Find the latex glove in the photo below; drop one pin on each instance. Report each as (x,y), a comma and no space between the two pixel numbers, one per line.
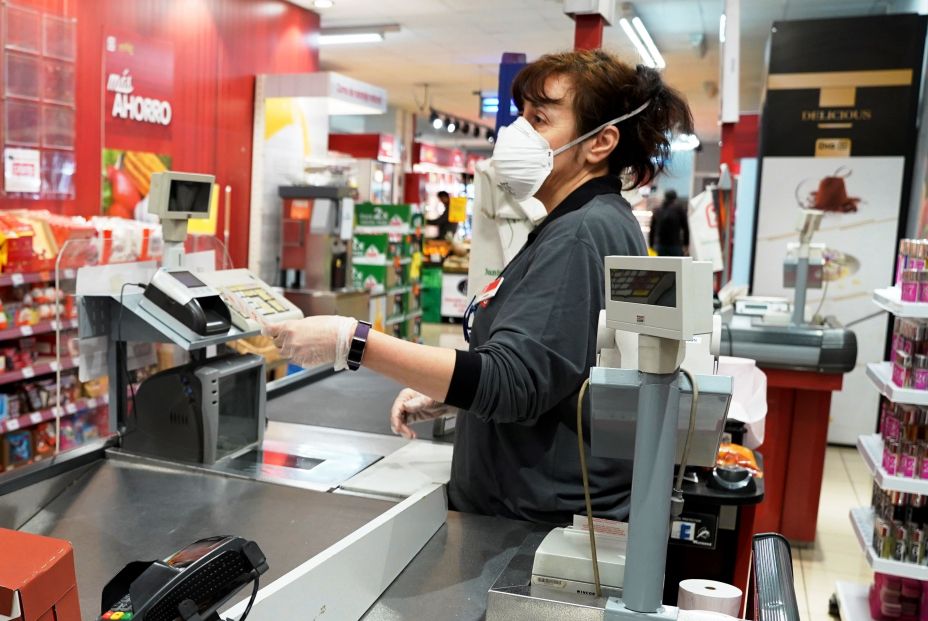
(314,341)
(413,407)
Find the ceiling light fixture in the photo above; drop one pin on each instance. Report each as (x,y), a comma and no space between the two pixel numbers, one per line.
(452,126)
(476,131)
(638,43)
(437,123)
(323,4)
(648,42)
(685,142)
(359,34)
(350,38)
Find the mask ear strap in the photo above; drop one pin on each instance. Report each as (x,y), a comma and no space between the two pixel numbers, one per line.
(614,121)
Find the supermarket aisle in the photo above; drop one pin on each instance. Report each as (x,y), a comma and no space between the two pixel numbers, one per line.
(836,554)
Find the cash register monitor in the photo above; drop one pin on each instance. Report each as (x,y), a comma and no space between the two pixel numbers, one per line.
(176,197)
(647,295)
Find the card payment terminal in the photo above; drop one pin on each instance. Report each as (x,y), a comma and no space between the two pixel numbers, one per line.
(177,295)
(191,584)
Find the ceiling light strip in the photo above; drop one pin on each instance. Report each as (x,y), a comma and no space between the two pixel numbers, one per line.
(648,42)
(633,36)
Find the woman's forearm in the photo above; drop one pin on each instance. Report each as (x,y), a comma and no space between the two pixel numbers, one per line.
(422,368)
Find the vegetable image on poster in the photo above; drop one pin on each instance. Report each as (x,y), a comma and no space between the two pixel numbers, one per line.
(127,181)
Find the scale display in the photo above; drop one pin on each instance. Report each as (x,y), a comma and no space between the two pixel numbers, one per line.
(650,287)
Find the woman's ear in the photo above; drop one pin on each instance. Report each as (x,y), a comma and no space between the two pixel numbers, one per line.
(602,146)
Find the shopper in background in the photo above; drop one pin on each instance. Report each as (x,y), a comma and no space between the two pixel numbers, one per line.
(587,120)
(670,230)
(444,224)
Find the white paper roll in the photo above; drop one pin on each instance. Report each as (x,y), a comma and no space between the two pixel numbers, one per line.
(704,615)
(709,595)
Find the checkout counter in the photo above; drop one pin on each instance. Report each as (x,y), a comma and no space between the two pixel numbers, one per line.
(352,520)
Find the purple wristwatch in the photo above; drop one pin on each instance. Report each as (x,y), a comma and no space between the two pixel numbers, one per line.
(358,342)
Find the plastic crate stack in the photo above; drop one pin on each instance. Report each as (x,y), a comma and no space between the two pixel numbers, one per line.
(387,262)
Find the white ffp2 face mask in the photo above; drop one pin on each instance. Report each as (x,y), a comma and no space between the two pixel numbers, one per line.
(523,159)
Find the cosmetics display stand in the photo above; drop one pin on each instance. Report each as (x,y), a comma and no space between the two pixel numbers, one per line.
(853,598)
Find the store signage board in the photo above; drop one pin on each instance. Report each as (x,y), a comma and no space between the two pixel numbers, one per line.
(22,171)
(343,95)
(837,135)
(138,82)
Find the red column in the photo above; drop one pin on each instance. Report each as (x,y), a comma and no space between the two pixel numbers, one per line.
(588,32)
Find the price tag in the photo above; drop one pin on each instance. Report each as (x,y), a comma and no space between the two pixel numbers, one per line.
(91,403)
(28,372)
(53,365)
(17,279)
(12,425)
(36,418)
(70,408)
(26,330)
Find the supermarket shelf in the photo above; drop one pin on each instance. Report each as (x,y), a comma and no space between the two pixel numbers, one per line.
(889,300)
(40,328)
(27,420)
(17,278)
(862,522)
(43,368)
(853,601)
(880,373)
(871,449)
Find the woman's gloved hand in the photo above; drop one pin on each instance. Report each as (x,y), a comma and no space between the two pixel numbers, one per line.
(413,407)
(314,341)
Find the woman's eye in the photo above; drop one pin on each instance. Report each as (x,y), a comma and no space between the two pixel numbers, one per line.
(538,119)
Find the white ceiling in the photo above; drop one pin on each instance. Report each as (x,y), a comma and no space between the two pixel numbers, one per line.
(455,45)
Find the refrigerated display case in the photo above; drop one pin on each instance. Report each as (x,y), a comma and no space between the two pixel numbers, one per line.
(376,172)
(435,169)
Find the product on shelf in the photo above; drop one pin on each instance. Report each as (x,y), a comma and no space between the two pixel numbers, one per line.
(897,599)
(909,353)
(43,440)
(912,258)
(899,526)
(16,449)
(71,434)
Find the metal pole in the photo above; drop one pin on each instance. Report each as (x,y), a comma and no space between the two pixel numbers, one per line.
(652,486)
(802,283)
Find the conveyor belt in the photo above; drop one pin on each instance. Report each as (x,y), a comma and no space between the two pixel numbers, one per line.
(358,401)
(121,512)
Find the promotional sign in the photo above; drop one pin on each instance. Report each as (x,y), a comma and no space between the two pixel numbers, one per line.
(836,135)
(21,171)
(457,209)
(138,80)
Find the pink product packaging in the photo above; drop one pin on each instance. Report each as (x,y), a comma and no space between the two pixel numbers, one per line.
(907,466)
(910,285)
(920,375)
(902,370)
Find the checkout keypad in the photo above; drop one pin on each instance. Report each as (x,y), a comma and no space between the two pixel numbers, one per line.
(259,300)
(121,611)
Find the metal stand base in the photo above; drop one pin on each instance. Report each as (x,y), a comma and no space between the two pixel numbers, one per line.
(617,611)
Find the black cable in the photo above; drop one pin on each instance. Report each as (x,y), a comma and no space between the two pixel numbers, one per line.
(251,602)
(125,369)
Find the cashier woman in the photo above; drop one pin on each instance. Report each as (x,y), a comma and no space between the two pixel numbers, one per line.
(533,337)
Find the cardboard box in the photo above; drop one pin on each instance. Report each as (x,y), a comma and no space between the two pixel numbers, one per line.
(368,214)
(379,246)
(41,585)
(379,278)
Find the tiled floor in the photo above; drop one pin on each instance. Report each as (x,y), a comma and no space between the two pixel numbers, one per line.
(836,554)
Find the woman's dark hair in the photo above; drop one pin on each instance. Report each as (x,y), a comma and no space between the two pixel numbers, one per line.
(605,88)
